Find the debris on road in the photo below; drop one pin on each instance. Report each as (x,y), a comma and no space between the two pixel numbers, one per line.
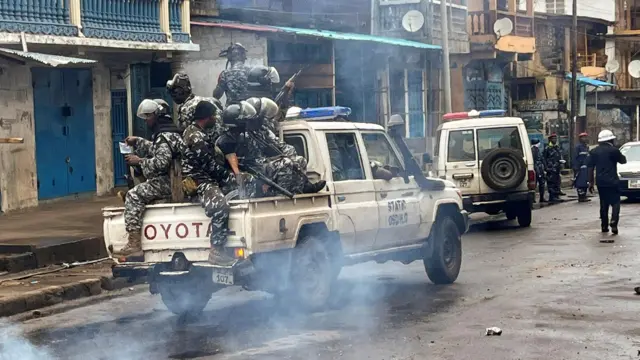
(637,290)
(607,241)
(493,331)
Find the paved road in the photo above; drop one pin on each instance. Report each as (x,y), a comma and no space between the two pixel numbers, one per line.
(554,289)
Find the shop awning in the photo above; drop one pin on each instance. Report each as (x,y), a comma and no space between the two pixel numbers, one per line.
(317,33)
(46,59)
(585,81)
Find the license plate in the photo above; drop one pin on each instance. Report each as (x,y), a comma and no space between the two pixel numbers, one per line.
(223,276)
(634,184)
(463,183)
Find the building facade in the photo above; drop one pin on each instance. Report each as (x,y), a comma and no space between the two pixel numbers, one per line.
(72,107)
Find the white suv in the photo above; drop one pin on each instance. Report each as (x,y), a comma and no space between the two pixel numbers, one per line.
(489,158)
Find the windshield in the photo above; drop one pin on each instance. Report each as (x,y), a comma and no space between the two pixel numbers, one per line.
(631,152)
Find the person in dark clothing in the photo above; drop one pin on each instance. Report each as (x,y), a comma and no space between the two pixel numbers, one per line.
(580,176)
(552,156)
(538,163)
(604,159)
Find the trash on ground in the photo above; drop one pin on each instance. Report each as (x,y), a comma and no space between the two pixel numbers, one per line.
(637,290)
(607,241)
(493,331)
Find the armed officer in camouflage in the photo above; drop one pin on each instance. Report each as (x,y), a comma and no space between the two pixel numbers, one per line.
(239,81)
(212,180)
(180,90)
(552,158)
(155,158)
(539,166)
(249,145)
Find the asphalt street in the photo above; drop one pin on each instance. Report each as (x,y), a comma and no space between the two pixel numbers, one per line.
(554,289)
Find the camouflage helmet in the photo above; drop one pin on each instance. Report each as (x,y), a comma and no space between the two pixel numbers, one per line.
(179,87)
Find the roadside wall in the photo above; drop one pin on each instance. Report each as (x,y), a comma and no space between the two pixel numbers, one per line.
(18,183)
(205,66)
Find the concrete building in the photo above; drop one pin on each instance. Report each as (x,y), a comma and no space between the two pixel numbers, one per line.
(72,107)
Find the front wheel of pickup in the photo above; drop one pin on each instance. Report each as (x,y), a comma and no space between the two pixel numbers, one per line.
(443,264)
(312,274)
(186,297)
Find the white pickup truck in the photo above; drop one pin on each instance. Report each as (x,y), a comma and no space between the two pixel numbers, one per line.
(298,246)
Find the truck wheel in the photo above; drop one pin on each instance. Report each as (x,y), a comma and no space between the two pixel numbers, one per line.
(524,216)
(443,264)
(503,169)
(312,274)
(185,298)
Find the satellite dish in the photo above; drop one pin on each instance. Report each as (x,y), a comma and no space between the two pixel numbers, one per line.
(612,66)
(413,21)
(634,69)
(503,27)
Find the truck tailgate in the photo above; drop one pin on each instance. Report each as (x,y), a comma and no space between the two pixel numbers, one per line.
(262,224)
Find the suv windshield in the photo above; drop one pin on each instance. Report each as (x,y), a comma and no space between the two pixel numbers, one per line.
(631,152)
(498,138)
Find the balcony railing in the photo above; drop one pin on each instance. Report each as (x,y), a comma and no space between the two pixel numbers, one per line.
(481,23)
(48,17)
(132,20)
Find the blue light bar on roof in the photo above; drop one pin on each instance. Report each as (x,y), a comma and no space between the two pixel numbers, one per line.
(330,112)
(488,113)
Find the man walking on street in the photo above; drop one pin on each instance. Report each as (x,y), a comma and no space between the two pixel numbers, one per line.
(580,176)
(552,158)
(538,163)
(604,159)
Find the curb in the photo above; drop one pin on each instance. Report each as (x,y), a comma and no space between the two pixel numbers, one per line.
(53,295)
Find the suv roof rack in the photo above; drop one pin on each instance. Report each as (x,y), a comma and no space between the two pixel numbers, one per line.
(318,114)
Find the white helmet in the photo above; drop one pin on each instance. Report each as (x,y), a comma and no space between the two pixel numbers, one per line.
(605,135)
(147,108)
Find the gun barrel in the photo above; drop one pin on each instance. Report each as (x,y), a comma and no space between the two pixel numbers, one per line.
(270,182)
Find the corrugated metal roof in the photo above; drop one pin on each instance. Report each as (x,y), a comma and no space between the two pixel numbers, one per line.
(318,33)
(51,60)
(583,80)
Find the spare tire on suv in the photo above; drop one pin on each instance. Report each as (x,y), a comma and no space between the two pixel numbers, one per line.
(503,169)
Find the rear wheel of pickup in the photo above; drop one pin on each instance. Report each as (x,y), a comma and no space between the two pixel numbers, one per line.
(185,296)
(443,264)
(312,274)
(525,215)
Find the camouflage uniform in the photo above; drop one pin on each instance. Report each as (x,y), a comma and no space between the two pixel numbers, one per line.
(552,156)
(213,180)
(233,83)
(157,156)
(185,116)
(539,167)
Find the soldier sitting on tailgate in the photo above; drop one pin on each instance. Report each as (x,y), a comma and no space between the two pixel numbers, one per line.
(250,146)
(209,179)
(155,158)
(180,90)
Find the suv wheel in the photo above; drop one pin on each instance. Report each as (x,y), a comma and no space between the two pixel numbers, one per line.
(443,264)
(524,215)
(503,169)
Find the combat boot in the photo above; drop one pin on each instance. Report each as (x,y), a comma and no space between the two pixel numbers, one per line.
(310,188)
(217,256)
(133,247)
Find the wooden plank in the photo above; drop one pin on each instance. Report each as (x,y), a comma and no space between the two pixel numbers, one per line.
(517,44)
(11,140)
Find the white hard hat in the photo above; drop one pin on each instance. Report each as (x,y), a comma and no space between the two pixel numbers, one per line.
(147,108)
(605,135)
(293,112)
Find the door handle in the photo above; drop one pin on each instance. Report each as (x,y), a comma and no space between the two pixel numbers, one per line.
(342,198)
(383,195)
(407,194)
(470,164)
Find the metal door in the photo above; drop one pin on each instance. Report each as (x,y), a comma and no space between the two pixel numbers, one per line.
(416,106)
(140,88)
(78,112)
(51,133)
(118,133)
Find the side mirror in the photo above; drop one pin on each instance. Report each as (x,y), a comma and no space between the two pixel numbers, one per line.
(426,158)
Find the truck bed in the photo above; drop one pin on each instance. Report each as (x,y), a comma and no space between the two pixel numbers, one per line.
(259,225)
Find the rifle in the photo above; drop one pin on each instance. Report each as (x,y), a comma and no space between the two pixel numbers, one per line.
(255,172)
(283,89)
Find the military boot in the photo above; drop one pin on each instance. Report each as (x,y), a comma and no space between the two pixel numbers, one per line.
(217,256)
(311,188)
(133,247)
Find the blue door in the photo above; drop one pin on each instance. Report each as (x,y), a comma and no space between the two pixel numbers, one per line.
(65,141)
(118,133)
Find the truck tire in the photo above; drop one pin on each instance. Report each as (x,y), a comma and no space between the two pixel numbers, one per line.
(503,169)
(443,264)
(185,298)
(525,215)
(312,274)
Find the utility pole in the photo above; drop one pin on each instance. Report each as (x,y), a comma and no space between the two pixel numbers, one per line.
(574,78)
(446,73)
